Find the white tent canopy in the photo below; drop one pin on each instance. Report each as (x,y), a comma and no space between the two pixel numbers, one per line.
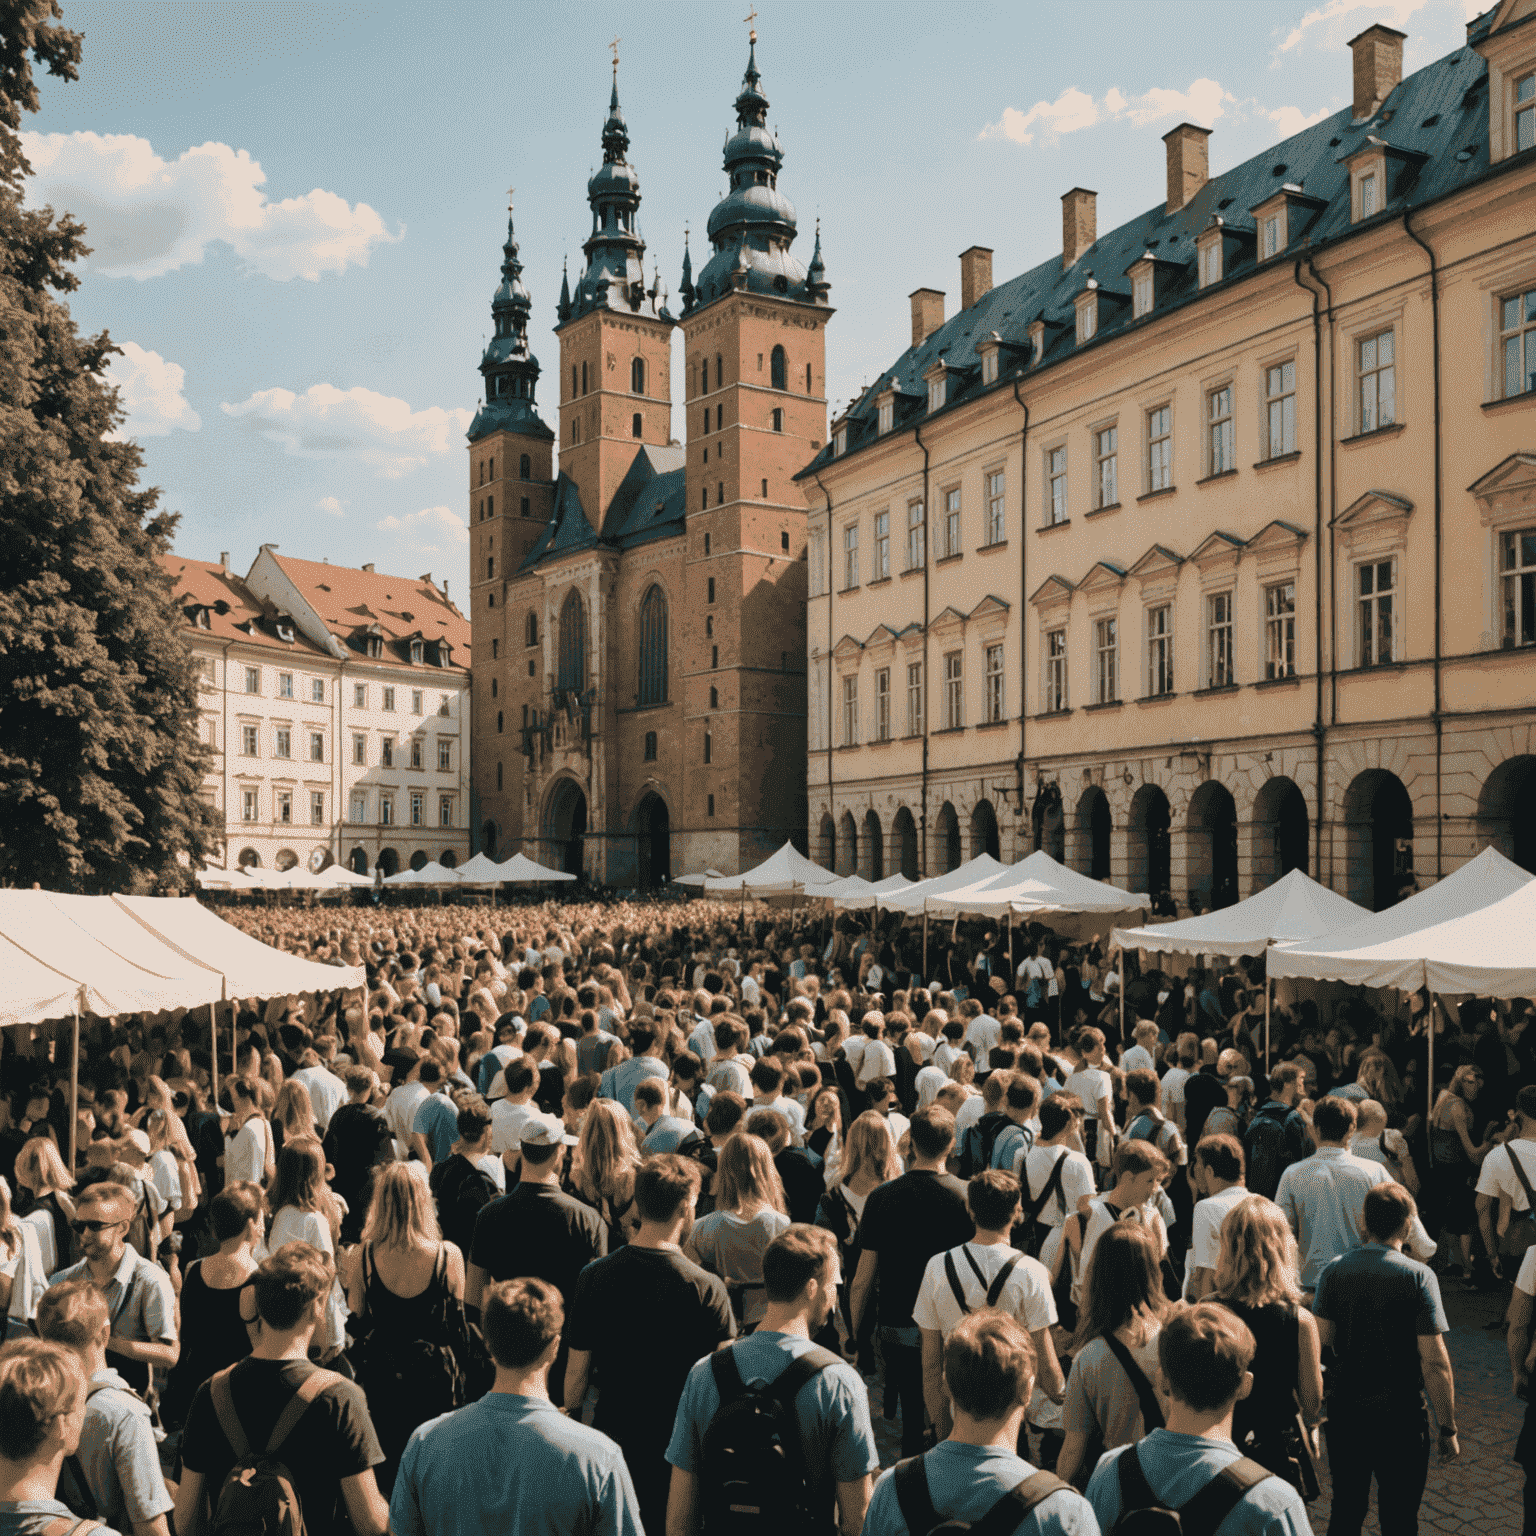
(338,875)
(699,877)
(972,872)
(1037,886)
(31,991)
(781,874)
(1463,928)
(851,893)
(521,870)
(878,895)
(480,870)
(431,873)
(1293,909)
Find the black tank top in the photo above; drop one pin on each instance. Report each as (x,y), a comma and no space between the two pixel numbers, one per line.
(1270,1407)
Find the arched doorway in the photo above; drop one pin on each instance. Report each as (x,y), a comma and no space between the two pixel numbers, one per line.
(249,859)
(566,825)
(1151,848)
(357,861)
(904,844)
(389,861)
(488,839)
(653,842)
(826,842)
(286,859)
(947,833)
(449,859)
(847,845)
(1050,829)
(1281,831)
(1211,828)
(984,838)
(418,860)
(872,848)
(1506,810)
(320,858)
(1378,828)
(1094,824)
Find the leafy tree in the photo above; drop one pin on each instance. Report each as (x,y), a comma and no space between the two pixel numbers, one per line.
(99,761)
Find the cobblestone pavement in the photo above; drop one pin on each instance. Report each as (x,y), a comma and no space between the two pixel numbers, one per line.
(1479,1494)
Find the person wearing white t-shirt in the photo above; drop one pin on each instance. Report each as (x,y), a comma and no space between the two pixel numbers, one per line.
(1174,1079)
(1060,1141)
(1501,1194)
(951,1045)
(982,1032)
(882,1100)
(1522,1354)
(928,1083)
(1140,1057)
(1091,1083)
(1217,1174)
(877,1058)
(1138,1171)
(986,1272)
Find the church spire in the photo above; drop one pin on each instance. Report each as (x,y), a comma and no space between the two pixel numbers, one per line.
(510,370)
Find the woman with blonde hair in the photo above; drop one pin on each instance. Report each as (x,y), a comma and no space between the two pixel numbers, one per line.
(750,1211)
(305,1211)
(824,1130)
(1453,1159)
(43,1186)
(249,1155)
(293,1114)
(607,1159)
(22,1276)
(1257,1279)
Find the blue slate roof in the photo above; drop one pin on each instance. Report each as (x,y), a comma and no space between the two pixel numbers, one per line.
(1435,125)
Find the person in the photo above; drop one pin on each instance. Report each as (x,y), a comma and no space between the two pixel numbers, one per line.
(549,1474)
(1521,1343)
(663,1132)
(607,1161)
(1055,1177)
(619,1082)
(331,1449)
(989,1376)
(1381,1312)
(1138,1171)
(250,1155)
(115,1474)
(42,1414)
(986,1272)
(43,1197)
(1454,1159)
(1204,1353)
(293,1115)
(513,1093)
(213,1334)
(1205,1091)
(641,1317)
(1109,1398)
(1092,1087)
(1144,1119)
(462,1186)
(357,1140)
(1277,1135)
(435,1126)
(1217,1174)
(139,1295)
(1502,1183)
(1256,1280)
(905,1223)
(22,1277)
(829,1399)
(304,1210)
(327,1092)
(750,1211)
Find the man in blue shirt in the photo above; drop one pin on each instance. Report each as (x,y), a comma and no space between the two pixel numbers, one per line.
(619,1082)
(1203,1354)
(1381,1312)
(546,1474)
(435,1127)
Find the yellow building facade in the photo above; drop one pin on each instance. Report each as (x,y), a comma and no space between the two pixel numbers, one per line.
(1207,549)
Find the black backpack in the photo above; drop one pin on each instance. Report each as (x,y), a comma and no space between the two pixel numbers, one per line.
(1031,1233)
(1264,1150)
(1142,1513)
(1003,1519)
(999,1281)
(752,1474)
(976,1156)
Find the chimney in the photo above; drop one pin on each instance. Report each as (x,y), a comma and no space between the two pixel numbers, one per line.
(368,567)
(1189,163)
(927,313)
(224,558)
(1378,55)
(1079,224)
(975,275)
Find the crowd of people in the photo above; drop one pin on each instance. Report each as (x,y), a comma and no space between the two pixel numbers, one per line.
(635,1218)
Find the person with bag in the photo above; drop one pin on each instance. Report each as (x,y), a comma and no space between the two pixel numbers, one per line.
(1055,1178)
(1506,1206)
(305,1211)
(1277,1135)
(274,1444)
(750,1211)
(974,1479)
(42,1411)
(249,1153)
(1188,1477)
(1136,1194)
(1021,1107)
(773,1434)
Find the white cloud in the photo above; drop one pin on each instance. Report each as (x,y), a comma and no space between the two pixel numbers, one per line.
(329,423)
(150,390)
(146,216)
(1291,120)
(329,504)
(1202,103)
(1329,22)
(432,531)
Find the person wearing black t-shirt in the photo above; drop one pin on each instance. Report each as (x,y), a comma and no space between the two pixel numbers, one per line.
(642,1316)
(356,1142)
(905,1223)
(460,1185)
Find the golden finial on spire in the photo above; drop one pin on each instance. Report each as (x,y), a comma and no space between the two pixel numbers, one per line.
(615,46)
(749,18)
(511,192)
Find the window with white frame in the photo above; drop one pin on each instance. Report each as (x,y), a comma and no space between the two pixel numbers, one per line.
(1219,671)
(1376,629)
(850,555)
(1517,342)
(997,508)
(887,415)
(882,562)
(205,672)
(285,685)
(954,690)
(418,808)
(445,810)
(1141,295)
(360,695)
(1525,112)
(416,749)
(285,807)
(1087,319)
(316,747)
(851,711)
(1106,467)
(1222,453)
(248,741)
(444,705)
(1517,579)
(248,805)
(917,535)
(317,807)
(989,367)
(1378,381)
(1160,448)
(1106,645)
(936,393)
(1280,409)
(914,698)
(253,679)
(387,752)
(445,757)
(1056,486)
(416,699)
(1271,238)
(882,704)
(386,811)
(360,807)
(1210,263)
(1370,196)
(317,690)
(1160,650)
(1280,630)
(994,685)
(952,522)
(840,442)
(389,700)
(816,559)
(1055,672)
(360,749)
(284,742)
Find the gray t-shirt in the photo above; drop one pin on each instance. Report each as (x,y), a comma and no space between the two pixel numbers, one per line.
(1100,1396)
(732,1248)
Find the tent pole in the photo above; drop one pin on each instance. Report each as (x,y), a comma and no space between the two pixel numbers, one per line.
(1268,989)
(74,1091)
(213,1047)
(1430,1096)
(926,976)
(1011,971)
(1122,997)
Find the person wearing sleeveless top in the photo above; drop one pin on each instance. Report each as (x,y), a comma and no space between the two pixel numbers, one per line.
(1453,1159)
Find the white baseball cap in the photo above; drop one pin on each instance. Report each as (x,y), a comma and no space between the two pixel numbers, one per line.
(544,1131)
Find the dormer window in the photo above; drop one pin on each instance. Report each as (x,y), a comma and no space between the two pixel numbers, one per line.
(1087,315)
(989,366)
(1141,293)
(416,653)
(284,628)
(200,617)
(1370,194)
(936,393)
(1210,259)
(375,647)
(1037,342)
(1525,113)
(1272,234)
(840,442)
(887,415)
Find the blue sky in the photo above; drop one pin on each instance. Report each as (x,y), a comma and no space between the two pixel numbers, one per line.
(298,208)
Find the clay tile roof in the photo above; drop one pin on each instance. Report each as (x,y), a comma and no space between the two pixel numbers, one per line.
(234,611)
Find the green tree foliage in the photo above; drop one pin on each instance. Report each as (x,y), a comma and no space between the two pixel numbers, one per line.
(99,761)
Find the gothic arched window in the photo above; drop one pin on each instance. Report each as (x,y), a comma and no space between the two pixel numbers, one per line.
(719,371)
(531,629)
(779,369)
(573,642)
(637,376)
(524,468)
(653,647)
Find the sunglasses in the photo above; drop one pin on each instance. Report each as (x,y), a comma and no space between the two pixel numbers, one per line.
(80,1225)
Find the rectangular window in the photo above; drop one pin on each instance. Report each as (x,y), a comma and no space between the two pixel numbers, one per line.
(914,698)
(1106,644)
(248,809)
(997,507)
(1280,630)
(850,556)
(1525,113)
(284,742)
(1159,650)
(886,416)
(389,700)
(1106,463)
(1269,236)
(1376,585)
(816,561)
(416,692)
(1517,340)
(316,747)
(650,746)
(317,808)
(285,685)
(1087,320)
(1210,263)
(954,690)
(415,752)
(1218,640)
(445,757)
(1056,486)
(418,812)
(285,807)
(1160,448)
(989,367)
(443,705)
(253,679)
(386,811)
(1280,410)
(1055,671)
(387,752)
(360,695)
(850,711)
(952,522)
(994,685)
(248,740)
(359,749)
(359,808)
(917,536)
(317,690)
(1141,295)
(936,394)
(710,589)
(205,673)
(1218,410)
(1517,574)
(883,704)
(1378,382)
(882,547)
(445,810)
(1368,198)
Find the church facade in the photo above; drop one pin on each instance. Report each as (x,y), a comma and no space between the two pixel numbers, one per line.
(638,597)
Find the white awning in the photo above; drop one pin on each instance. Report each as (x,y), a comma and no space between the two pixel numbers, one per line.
(784,873)
(1038,887)
(972,872)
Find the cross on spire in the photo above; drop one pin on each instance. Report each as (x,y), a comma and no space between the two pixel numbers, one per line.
(615,46)
(511,191)
(748,19)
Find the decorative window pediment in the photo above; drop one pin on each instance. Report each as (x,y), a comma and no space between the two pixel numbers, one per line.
(1054,589)
(1103,574)
(1508,487)
(950,621)
(990,616)
(881,641)
(1218,549)
(1276,547)
(1158,562)
(846,653)
(1376,519)
(911,635)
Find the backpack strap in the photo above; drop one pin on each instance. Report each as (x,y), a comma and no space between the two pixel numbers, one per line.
(1520,1173)
(1000,1281)
(953,1276)
(1135,1491)
(1016,1506)
(802,1369)
(224,1407)
(1151,1413)
(1033,1207)
(1204,1514)
(728,1382)
(309,1389)
(913,1498)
